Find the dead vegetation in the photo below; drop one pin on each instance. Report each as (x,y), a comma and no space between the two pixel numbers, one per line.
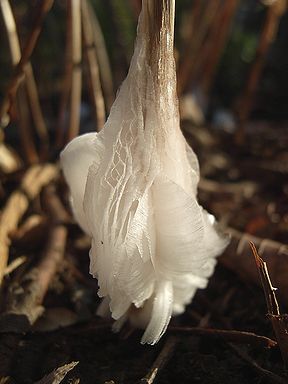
(48,326)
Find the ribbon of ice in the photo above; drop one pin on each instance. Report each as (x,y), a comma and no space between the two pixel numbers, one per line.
(133,189)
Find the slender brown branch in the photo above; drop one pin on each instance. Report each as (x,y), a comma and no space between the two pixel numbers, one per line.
(25,131)
(24,301)
(279,322)
(237,257)
(161,361)
(273,378)
(103,60)
(244,105)
(191,58)
(93,65)
(15,50)
(76,81)
(239,337)
(58,374)
(43,7)
(64,100)
(33,181)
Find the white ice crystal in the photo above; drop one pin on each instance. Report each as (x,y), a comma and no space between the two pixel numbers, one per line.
(133,189)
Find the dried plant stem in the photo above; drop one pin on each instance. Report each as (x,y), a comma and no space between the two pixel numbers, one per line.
(161,361)
(237,257)
(14,45)
(22,310)
(218,40)
(61,126)
(36,111)
(279,322)
(93,65)
(239,337)
(33,181)
(25,131)
(21,96)
(103,60)
(272,377)
(270,27)
(76,81)
(43,7)
(15,264)
(58,374)
(189,65)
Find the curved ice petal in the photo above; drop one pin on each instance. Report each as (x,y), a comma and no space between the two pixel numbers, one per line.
(76,159)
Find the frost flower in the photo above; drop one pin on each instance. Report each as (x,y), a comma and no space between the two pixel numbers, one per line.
(133,189)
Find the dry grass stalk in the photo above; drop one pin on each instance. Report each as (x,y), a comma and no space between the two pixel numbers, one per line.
(33,181)
(76,81)
(103,60)
(43,7)
(279,321)
(91,53)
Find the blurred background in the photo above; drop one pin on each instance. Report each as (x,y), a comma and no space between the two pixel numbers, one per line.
(232,63)
(61,63)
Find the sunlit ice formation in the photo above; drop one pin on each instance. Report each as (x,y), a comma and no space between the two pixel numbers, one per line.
(133,190)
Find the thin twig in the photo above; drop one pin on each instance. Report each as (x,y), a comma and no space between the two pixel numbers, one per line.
(30,83)
(244,105)
(103,60)
(161,361)
(33,181)
(43,7)
(93,65)
(239,337)
(15,264)
(24,301)
(58,374)
(273,378)
(76,82)
(237,257)
(279,322)
(64,100)
(190,62)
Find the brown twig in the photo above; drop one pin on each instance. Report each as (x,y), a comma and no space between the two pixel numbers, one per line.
(25,131)
(91,53)
(190,63)
(273,378)
(58,374)
(76,81)
(103,60)
(161,361)
(279,322)
(237,257)
(30,84)
(244,105)
(239,337)
(61,123)
(43,7)
(24,301)
(33,181)
(218,40)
